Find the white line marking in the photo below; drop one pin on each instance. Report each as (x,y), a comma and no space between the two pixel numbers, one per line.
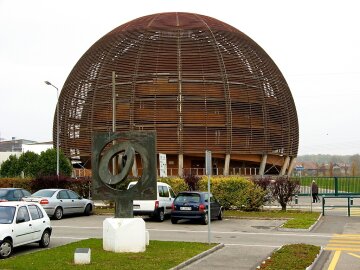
(218,232)
(64,237)
(243,245)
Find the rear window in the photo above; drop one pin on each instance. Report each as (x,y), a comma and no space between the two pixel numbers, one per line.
(188,198)
(44,193)
(3,192)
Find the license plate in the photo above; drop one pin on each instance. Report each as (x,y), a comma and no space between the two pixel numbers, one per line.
(136,206)
(183,208)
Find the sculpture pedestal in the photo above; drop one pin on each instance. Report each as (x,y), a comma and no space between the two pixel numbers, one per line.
(124,235)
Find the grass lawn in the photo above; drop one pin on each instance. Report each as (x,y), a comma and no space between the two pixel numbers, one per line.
(295,219)
(292,257)
(158,255)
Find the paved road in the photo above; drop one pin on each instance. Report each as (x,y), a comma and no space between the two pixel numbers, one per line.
(247,242)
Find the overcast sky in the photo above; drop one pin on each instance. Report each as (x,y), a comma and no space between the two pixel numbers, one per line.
(315,43)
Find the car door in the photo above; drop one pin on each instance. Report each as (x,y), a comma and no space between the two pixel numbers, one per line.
(215,207)
(64,201)
(38,221)
(77,203)
(166,199)
(23,230)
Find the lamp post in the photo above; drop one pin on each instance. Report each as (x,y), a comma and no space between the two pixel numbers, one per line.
(57,127)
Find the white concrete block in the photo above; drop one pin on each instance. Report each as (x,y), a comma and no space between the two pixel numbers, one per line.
(82,256)
(124,235)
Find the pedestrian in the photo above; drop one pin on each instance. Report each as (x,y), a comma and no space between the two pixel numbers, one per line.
(314,192)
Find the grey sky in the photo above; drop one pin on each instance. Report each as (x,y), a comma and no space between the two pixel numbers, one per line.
(316,45)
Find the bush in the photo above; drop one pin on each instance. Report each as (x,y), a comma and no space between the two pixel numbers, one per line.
(280,188)
(192,181)
(235,192)
(80,185)
(24,183)
(177,184)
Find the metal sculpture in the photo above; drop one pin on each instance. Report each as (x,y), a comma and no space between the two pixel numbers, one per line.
(200,83)
(106,147)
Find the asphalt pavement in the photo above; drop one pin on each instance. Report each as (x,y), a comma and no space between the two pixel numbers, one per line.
(341,252)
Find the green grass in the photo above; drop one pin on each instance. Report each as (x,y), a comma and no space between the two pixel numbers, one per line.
(158,255)
(292,257)
(295,219)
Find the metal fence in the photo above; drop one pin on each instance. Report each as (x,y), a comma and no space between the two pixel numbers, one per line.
(335,186)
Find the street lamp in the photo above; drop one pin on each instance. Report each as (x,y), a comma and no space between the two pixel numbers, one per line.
(57,127)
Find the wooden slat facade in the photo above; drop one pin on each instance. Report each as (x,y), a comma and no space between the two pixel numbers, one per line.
(200,83)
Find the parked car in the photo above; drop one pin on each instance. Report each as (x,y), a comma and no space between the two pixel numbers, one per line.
(13,194)
(59,202)
(194,205)
(158,208)
(22,223)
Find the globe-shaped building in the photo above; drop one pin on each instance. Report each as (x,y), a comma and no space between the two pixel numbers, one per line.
(200,83)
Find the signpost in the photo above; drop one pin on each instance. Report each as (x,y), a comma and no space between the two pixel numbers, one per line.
(163,166)
(208,173)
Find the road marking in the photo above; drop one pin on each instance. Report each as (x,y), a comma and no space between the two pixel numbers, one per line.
(249,233)
(243,245)
(334,260)
(355,255)
(65,237)
(73,227)
(218,232)
(344,242)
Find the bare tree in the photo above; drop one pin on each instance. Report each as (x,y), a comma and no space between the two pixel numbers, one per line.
(283,189)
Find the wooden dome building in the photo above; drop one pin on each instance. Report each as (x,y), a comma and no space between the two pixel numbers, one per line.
(201,84)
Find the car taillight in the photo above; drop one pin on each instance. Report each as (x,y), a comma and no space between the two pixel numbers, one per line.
(44,201)
(172,207)
(202,208)
(156,204)
(3,200)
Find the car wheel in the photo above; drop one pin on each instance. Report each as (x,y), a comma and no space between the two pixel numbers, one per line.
(45,239)
(161,215)
(205,219)
(174,220)
(87,211)
(220,216)
(58,213)
(5,249)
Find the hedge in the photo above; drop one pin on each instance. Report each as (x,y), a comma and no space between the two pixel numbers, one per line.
(233,192)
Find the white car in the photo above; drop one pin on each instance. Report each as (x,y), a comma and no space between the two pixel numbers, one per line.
(155,208)
(59,202)
(22,223)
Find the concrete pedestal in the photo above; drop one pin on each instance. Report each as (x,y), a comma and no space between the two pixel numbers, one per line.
(82,256)
(124,235)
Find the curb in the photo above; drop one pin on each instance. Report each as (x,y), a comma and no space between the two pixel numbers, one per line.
(316,259)
(198,257)
(310,267)
(299,230)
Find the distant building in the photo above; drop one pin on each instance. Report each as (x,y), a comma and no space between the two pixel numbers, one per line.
(18,146)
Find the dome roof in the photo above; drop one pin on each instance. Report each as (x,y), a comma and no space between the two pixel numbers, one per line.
(200,83)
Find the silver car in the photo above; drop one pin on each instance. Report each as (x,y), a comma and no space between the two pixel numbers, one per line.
(59,202)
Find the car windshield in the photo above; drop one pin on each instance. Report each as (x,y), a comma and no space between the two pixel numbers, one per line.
(188,198)
(7,214)
(43,193)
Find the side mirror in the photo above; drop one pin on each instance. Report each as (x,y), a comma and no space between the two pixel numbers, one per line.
(80,198)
